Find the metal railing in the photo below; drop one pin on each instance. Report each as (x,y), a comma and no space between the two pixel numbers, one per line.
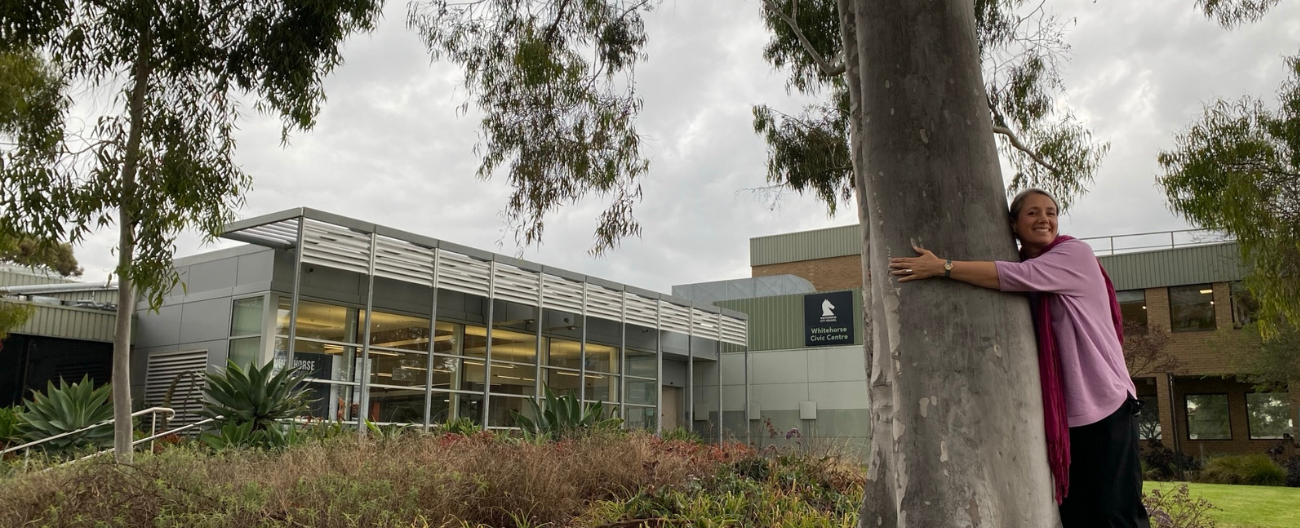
(1134,242)
(153,412)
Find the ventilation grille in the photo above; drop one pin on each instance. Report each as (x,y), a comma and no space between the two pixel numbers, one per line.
(164,369)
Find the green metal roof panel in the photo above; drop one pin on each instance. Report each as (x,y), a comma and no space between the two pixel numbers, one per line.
(68,322)
(777,323)
(10,276)
(1175,267)
(805,245)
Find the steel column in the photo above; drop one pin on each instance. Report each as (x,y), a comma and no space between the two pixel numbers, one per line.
(433,343)
(487,353)
(363,415)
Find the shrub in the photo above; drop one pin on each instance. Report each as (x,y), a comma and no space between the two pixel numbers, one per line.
(415,480)
(461,426)
(564,416)
(1293,472)
(1177,509)
(1162,463)
(681,434)
(1254,470)
(68,408)
(10,433)
(256,397)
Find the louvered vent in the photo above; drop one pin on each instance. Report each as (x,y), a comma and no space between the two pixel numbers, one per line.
(335,247)
(403,261)
(604,302)
(561,294)
(463,274)
(516,285)
(166,368)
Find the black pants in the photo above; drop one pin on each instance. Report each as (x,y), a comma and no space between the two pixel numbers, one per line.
(1106,473)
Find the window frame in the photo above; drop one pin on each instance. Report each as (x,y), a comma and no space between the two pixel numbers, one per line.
(1250,433)
(1173,308)
(264,346)
(1187,416)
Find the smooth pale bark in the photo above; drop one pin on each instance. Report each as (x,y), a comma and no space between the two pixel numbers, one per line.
(957,422)
(123,428)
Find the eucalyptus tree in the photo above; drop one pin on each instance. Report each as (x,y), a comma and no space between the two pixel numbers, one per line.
(921,98)
(159,153)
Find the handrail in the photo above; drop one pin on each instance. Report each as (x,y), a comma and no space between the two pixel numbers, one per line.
(152,410)
(143,440)
(1218,237)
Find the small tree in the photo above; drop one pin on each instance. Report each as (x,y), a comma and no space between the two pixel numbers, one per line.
(1145,350)
(161,157)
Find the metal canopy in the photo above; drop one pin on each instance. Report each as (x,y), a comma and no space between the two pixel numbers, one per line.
(344,243)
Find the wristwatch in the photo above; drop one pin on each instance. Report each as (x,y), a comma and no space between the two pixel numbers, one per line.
(947,268)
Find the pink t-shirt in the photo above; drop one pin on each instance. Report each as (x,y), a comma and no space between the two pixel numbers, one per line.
(1094,377)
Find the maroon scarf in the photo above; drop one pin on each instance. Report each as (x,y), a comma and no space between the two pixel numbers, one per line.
(1049,371)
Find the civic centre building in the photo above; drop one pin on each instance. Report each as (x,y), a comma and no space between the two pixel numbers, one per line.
(396,327)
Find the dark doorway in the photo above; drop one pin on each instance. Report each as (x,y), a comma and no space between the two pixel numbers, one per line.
(28,363)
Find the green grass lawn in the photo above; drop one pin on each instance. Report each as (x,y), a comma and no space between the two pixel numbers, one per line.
(1245,506)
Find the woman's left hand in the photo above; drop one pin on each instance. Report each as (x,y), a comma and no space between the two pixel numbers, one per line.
(925,266)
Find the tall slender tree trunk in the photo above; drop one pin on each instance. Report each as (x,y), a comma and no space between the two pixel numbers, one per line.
(128,208)
(957,422)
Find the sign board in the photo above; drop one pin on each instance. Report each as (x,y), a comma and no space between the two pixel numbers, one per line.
(828,319)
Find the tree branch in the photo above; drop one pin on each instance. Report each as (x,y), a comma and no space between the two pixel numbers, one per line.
(1018,145)
(827,69)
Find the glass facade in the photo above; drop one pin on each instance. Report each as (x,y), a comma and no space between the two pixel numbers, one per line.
(394,327)
(453,368)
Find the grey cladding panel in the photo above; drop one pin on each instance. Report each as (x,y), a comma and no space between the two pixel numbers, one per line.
(214,275)
(205,320)
(159,329)
(256,268)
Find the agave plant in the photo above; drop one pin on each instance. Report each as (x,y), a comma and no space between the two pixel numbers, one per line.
(67,408)
(256,396)
(563,416)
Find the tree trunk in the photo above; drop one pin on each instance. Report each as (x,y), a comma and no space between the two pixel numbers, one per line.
(127,211)
(957,421)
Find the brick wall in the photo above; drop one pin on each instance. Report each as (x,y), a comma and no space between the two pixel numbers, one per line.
(829,274)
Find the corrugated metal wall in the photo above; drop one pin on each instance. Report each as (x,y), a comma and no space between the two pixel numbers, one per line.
(806,245)
(69,323)
(777,323)
(1175,267)
(99,296)
(17,277)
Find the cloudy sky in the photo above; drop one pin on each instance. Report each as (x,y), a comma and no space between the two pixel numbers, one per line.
(390,147)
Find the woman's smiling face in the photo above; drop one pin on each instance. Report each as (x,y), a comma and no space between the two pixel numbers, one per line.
(1035,224)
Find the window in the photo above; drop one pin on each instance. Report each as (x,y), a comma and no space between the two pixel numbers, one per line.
(1207,417)
(1191,308)
(1269,415)
(246,331)
(1244,305)
(1149,418)
(1133,306)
